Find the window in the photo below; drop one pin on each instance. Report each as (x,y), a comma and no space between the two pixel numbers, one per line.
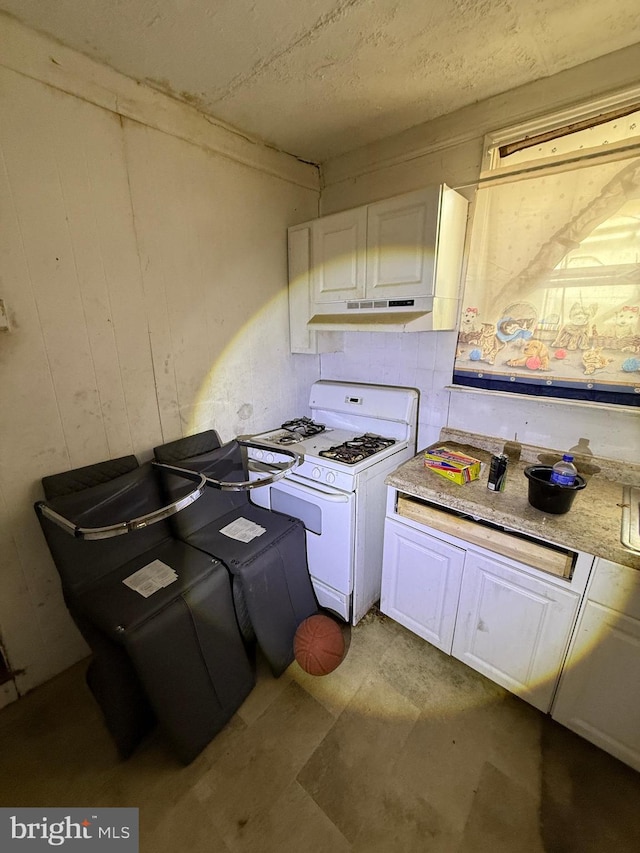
(551,304)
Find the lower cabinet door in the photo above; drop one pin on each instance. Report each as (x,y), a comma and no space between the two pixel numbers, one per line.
(513,627)
(599,694)
(421,578)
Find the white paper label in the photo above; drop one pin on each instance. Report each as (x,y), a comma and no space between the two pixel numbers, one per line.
(151,578)
(243,530)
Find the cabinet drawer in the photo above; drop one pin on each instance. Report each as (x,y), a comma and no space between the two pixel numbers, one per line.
(546,558)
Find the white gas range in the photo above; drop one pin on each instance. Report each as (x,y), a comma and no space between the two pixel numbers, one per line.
(355,436)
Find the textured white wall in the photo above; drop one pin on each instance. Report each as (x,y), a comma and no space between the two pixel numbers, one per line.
(400,359)
(144,273)
(449,150)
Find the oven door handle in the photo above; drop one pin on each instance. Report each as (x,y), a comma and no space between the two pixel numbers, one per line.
(332,497)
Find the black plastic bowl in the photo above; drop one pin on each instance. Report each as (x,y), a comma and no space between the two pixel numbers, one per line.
(550,497)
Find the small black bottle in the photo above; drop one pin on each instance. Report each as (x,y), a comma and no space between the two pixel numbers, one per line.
(498,473)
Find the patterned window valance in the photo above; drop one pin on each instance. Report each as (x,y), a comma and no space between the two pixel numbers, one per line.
(551,304)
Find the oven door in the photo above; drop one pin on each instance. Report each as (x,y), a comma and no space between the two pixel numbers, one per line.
(329,518)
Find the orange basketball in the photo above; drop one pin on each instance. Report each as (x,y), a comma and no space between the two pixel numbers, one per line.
(318,645)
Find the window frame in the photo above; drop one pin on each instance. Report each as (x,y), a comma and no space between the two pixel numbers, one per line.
(495,170)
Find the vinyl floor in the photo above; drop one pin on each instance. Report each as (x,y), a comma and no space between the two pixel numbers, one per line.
(401,749)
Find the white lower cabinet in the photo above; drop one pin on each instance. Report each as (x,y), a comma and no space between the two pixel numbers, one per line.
(599,692)
(513,627)
(567,642)
(501,616)
(421,583)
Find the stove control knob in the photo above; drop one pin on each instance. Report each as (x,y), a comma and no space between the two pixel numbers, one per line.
(269,457)
(316,473)
(331,477)
(258,453)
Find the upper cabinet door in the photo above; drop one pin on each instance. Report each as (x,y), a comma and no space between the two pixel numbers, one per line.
(401,245)
(339,244)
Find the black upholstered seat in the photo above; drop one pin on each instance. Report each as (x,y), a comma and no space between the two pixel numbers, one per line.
(175,656)
(272,588)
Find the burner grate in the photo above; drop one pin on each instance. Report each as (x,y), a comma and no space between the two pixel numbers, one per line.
(358,448)
(304,427)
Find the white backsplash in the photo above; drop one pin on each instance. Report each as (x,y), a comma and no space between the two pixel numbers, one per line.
(424,360)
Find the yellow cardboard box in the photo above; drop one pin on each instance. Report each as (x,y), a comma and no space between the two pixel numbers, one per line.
(453,465)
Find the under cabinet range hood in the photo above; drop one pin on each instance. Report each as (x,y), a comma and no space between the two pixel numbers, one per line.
(414,314)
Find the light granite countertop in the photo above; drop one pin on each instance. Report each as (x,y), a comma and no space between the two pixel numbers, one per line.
(592,524)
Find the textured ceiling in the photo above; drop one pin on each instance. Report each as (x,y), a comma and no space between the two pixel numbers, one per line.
(317,78)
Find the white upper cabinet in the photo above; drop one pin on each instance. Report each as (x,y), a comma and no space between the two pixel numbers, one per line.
(380,251)
(391,266)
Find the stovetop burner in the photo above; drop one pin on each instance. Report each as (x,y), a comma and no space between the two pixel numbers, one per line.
(304,427)
(296,430)
(358,448)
